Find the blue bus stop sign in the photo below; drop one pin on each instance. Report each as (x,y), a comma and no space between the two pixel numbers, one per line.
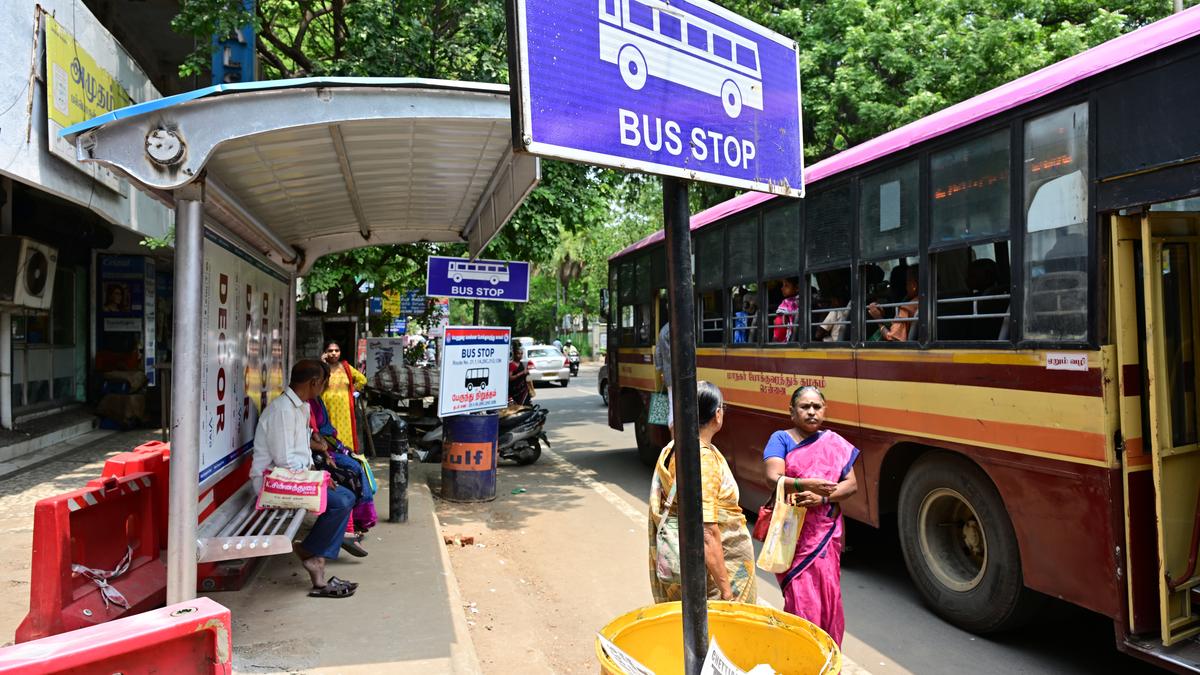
(500,280)
(678,88)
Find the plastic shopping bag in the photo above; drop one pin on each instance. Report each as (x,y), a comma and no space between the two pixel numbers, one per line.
(659,407)
(667,562)
(294,489)
(779,548)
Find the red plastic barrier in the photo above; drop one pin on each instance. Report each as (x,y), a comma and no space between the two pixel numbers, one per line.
(93,527)
(190,637)
(154,457)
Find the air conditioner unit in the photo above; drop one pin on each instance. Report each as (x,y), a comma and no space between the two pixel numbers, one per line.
(26,272)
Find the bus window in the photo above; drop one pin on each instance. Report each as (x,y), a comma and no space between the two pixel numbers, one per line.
(641,15)
(712,318)
(1056,226)
(970,191)
(697,37)
(743,305)
(889,211)
(885,295)
(829,306)
(781,241)
(747,57)
(783,317)
(828,223)
(670,26)
(973,292)
(628,326)
(722,47)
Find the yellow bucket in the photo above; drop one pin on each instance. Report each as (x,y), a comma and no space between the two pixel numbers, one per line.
(747,634)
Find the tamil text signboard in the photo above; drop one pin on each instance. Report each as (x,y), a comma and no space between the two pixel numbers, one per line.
(502,280)
(678,88)
(474,370)
(77,89)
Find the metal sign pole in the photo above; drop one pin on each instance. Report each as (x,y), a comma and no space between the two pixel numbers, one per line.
(677,221)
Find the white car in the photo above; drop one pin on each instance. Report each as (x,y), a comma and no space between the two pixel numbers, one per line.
(546,364)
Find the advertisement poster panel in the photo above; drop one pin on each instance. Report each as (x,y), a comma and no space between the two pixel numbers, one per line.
(243,359)
(474,372)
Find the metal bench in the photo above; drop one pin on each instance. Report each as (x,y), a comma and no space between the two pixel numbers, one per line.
(237,530)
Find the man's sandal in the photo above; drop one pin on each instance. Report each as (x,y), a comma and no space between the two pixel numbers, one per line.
(331,590)
(334,581)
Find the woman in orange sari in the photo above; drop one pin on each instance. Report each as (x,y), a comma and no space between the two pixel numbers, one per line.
(344,382)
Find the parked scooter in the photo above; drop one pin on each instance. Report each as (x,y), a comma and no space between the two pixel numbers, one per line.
(521,436)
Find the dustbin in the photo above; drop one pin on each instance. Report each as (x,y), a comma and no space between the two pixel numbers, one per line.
(747,634)
(469,457)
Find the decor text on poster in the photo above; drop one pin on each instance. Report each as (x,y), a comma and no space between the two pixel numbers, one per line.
(243,357)
(474,369)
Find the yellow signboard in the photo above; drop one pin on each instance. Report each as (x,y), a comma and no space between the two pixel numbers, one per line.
(391,303)
(77,89)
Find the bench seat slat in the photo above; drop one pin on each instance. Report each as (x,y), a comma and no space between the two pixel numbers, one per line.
(237,530)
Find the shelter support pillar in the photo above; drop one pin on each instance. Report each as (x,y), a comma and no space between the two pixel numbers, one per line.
(183,510)
(6,365)
(681,297)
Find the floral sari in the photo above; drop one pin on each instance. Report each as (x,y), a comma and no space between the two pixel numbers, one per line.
(812,588)
(719,504)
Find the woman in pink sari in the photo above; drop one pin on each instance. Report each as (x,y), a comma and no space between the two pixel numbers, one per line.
(817,466)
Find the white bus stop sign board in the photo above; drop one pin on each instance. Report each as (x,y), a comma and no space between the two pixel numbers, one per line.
(678,88)
(474,370)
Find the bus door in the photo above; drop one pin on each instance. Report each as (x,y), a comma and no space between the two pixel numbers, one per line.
(1157,263)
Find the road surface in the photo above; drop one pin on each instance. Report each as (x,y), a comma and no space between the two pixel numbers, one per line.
(566,553)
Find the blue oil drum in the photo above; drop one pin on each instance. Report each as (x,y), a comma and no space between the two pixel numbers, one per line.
(469,457)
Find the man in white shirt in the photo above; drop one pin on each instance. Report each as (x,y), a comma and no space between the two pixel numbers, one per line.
(284,439)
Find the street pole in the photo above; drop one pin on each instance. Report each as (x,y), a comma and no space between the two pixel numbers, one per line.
(475,314)
(677,221)
(183,510)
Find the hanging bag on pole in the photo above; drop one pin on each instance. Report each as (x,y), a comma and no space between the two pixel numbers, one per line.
(779,547)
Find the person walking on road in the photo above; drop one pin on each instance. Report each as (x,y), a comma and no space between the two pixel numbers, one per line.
(344,383)
(518,377)
(728,551)
(662,363)
(283,438)
(817,467)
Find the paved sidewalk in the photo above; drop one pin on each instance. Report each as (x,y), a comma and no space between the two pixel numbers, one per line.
(407,616)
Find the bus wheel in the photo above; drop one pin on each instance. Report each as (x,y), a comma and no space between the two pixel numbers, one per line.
(960,548)
(633,67)
(604,391)
(647,451)
(731,98)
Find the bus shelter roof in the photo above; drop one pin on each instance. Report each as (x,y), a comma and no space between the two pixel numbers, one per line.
(305,167)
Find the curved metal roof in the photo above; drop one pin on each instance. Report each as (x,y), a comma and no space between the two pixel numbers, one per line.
(302,168)
(1103,57)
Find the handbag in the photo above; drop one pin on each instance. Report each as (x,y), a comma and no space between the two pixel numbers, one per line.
(779,546)
(346,478)
(763,523)
(284,488)
(368,474)
(659,409)
(666,561)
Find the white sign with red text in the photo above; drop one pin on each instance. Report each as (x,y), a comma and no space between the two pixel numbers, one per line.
(474,369)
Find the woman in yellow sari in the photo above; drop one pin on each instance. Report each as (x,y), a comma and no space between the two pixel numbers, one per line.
(728,551)
(344,381)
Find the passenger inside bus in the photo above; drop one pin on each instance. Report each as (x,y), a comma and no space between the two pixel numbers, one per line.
(785,318)
(973,293)
(829,313)
(835,327)
(903,327)
(745,317)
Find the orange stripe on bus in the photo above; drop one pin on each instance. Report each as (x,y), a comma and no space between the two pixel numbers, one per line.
(1079,444)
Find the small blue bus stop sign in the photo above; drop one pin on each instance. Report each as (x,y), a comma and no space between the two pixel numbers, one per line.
(499,280)
(677,88)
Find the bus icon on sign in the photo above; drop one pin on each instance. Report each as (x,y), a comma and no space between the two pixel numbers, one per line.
(477,378)
(650,37)
(491,272)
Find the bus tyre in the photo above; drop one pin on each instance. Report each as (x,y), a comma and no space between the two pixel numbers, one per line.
(633,67)
(604,392)
(647,451)
(731,99)
(960,548)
